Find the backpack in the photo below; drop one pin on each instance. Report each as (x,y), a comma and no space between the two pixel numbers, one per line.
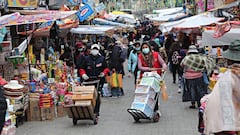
(123,54)
(175,56)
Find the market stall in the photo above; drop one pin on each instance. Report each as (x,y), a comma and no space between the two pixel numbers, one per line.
(191,24)
(43,77)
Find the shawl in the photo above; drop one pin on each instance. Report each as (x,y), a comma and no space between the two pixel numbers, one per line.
(222,112)
(198,62)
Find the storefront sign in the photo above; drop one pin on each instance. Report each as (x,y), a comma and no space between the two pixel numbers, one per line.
(85,12)
(22,3)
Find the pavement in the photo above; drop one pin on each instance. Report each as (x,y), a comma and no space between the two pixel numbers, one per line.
(176,119)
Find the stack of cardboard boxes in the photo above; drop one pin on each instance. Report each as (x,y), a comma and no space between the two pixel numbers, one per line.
(38,111)
(146,95)
(84,98)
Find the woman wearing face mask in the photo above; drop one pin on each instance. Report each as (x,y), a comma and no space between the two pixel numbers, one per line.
(94,67)
(133,59)
(149,60)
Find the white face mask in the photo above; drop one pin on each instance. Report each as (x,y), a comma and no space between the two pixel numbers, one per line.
(145,50)
(94,52)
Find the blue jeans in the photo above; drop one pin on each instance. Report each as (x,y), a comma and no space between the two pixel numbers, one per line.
(115,92)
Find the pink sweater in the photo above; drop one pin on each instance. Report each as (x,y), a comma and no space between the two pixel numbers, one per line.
(191,74)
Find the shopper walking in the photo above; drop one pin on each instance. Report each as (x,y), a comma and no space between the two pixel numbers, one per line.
(176,60)
(133,59)
(194,64)
(116,65)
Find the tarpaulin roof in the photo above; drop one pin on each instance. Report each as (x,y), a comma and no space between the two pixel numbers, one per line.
(91,29)
(17,19)
(190,24)
(100,21)
(226,39)
(168,10)
(171,17)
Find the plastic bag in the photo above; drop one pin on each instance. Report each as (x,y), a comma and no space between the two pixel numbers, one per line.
(115,80)
(164,91)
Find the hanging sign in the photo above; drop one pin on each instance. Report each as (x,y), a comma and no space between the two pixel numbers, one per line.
(85,12)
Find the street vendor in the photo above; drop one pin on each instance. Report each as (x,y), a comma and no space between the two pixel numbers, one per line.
(94,67)
(219,111)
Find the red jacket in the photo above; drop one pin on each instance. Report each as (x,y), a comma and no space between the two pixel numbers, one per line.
(156,62)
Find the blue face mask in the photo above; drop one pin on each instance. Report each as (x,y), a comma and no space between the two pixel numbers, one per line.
(137,49)
(145,50)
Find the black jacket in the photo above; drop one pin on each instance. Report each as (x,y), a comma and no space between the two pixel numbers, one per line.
(3,108)
(115,60)
(93,66)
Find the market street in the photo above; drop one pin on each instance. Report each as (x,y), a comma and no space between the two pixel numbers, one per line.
(177,118)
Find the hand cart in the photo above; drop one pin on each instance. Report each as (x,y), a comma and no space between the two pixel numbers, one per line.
(138,114)
(83,112)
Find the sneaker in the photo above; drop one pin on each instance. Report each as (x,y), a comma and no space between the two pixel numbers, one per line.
(179,90)
(114,97)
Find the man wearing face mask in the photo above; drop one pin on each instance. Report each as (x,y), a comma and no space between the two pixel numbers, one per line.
(80,53)
(94,67)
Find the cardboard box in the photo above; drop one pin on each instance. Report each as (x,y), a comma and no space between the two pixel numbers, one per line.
(83,96)
(84,90)
(34,110)
(151,81)
(145,99)
(152,74)
(83,103)
(47,113)
(143,107)
(61,112)
(145,90)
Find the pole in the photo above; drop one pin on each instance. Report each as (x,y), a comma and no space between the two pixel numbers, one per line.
(206,5)
(29,65)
